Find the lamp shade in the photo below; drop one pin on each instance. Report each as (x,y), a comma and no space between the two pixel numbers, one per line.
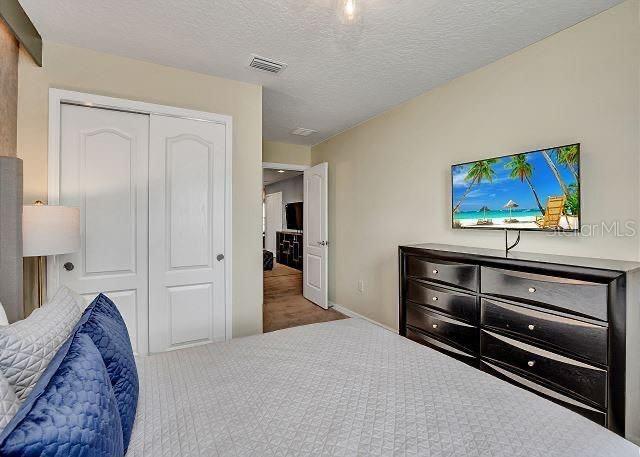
(50,230)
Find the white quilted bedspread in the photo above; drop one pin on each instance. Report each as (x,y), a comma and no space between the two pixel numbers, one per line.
(346,388)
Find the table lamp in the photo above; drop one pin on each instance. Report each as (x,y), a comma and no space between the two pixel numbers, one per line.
(48,230)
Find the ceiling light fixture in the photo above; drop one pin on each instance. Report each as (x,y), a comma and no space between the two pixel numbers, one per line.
(348,11)
(280,171)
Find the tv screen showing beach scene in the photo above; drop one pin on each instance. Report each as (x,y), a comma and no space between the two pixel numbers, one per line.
(537,190)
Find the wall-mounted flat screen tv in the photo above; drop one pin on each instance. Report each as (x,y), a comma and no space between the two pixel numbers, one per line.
(537,190)
(293,215)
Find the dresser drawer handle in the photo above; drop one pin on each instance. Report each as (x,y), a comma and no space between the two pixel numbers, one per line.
(532,290)
(531,363)
(531,327)
(434,298)
(435,325)
(435,271)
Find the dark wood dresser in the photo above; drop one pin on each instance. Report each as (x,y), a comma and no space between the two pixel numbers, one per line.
(565,328)
(289,249)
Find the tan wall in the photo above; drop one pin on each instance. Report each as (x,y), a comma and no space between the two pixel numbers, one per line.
(83,70)
(8,90)
(292,154)
(390,177)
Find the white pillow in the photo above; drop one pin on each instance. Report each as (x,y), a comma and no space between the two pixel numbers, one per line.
(27,346)
(9,402)
(3,316)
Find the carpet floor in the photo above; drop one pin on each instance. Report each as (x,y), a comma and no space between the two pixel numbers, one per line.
(284,305)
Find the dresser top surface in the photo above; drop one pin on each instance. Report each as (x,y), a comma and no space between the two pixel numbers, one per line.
(586,262)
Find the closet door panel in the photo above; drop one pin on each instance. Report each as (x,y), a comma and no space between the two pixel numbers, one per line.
(104,171)
(189,185)
(190,313)
(108,165)
(186,219)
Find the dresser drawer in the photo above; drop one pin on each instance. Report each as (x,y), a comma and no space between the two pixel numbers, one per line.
(457,304)
(585,340)
(455,332)
(453,274)
(426,340)
(582,380)
(586,298)
(587,411)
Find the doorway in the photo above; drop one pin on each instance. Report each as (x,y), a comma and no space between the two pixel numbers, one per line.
(291,265)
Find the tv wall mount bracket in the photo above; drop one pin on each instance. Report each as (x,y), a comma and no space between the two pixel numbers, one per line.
(507,248)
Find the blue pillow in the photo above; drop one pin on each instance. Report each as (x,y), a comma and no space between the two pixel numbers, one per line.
(104,324)
(71,412)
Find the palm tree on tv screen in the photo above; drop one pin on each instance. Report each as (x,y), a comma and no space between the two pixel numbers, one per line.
(482,169)
(523,170)
(568,156)
(556,173)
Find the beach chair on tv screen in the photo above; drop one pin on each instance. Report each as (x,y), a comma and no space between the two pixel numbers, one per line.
(552,214)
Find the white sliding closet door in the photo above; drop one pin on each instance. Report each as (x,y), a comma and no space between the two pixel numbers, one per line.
(103,171)
(186,232)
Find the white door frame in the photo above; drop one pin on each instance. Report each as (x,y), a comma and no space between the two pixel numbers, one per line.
(267,218)
(284,166)
(57,97)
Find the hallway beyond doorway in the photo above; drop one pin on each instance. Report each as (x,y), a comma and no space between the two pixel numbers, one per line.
(284,306)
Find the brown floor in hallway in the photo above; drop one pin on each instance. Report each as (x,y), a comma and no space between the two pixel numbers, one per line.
(284,305)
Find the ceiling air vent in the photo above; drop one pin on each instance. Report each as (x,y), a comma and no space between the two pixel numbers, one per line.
(303,132)
(268,65)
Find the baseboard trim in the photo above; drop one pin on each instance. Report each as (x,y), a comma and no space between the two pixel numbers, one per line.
(351,313)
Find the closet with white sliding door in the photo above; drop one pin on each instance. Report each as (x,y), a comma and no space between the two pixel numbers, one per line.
(152,185)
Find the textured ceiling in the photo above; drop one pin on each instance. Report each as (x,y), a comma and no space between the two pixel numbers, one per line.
(270,176)
(338,75)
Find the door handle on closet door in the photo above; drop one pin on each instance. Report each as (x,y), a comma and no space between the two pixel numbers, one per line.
(220,257)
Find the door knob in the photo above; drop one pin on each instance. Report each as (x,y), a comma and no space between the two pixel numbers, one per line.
(68,266)
(323,243)
(220,257)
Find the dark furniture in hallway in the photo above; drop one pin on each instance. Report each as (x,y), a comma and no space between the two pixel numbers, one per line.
(267,260)
(289,249)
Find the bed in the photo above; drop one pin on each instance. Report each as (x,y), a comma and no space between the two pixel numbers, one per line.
(345,388)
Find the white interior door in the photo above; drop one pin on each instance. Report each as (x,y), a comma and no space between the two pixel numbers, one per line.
(273,220)
(103,171)
(186,232)
(315,235)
